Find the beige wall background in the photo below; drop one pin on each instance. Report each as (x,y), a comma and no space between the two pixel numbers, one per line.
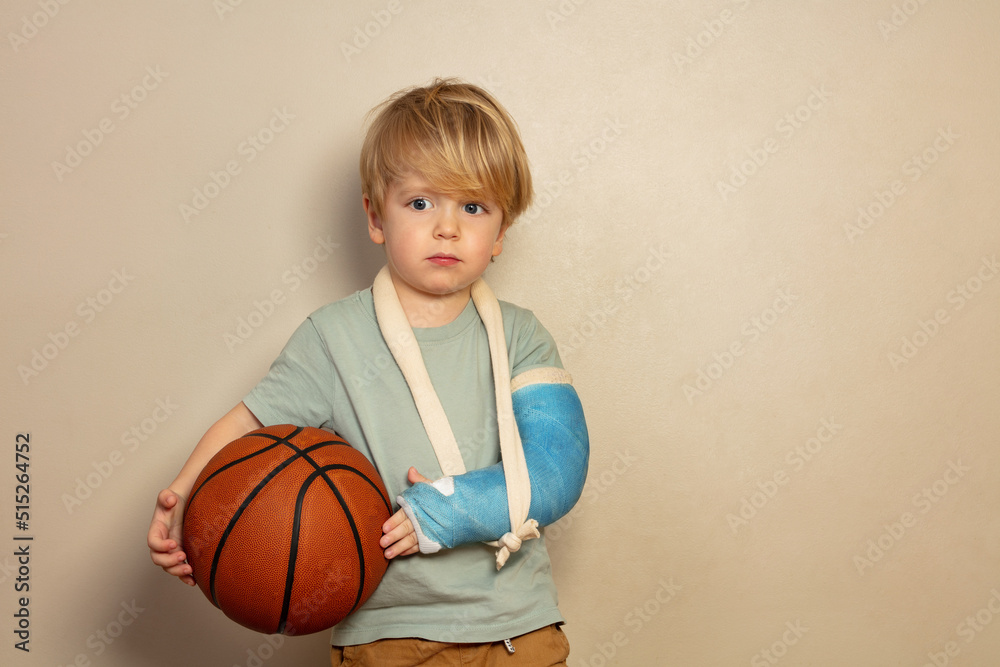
(766,238)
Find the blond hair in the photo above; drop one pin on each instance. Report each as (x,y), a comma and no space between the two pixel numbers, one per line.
(457,137)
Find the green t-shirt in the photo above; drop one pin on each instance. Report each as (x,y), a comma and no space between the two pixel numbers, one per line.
(337,373)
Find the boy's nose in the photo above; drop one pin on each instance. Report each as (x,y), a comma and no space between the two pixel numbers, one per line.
(447,225)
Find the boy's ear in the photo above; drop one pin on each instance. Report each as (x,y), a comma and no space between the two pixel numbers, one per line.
(374,222)
(498,244)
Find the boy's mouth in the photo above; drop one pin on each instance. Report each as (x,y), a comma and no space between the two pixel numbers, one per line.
(442,259)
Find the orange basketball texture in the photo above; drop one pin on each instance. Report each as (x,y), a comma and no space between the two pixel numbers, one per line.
(282,530)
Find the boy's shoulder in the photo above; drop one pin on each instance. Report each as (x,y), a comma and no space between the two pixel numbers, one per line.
(529,343)
(356,306)
(346,324)
(515,316)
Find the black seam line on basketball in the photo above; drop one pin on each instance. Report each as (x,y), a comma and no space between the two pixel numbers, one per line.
(277,441)
(217,556)
(305,455)
(315,446)
(293,552)
(293,548)
(354,529)
(230,465)
(299,429)
(294,545)
(350,518)
(362,475)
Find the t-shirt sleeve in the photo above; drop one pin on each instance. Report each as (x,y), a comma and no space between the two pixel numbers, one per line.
(532,346)
(299,387)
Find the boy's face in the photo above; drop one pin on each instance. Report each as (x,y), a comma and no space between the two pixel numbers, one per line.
(435,245)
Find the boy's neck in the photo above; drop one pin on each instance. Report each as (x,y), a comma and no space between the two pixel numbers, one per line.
(424,311)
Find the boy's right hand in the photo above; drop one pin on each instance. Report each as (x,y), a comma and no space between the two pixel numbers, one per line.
(164,538)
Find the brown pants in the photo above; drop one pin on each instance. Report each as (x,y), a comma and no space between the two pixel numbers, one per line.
(545,647)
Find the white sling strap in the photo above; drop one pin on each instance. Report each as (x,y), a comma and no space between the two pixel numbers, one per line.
(405,350)
(515,466)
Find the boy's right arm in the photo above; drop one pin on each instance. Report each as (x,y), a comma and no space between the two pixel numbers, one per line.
(164,538)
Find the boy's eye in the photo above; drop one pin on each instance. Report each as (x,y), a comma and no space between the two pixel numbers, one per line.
(420,204)
(473,209)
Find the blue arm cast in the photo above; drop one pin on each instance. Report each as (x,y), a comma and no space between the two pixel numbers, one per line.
(473,507)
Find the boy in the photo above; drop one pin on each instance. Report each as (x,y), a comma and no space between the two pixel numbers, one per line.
(444,174)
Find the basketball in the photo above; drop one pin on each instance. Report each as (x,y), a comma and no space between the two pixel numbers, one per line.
(282,530)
